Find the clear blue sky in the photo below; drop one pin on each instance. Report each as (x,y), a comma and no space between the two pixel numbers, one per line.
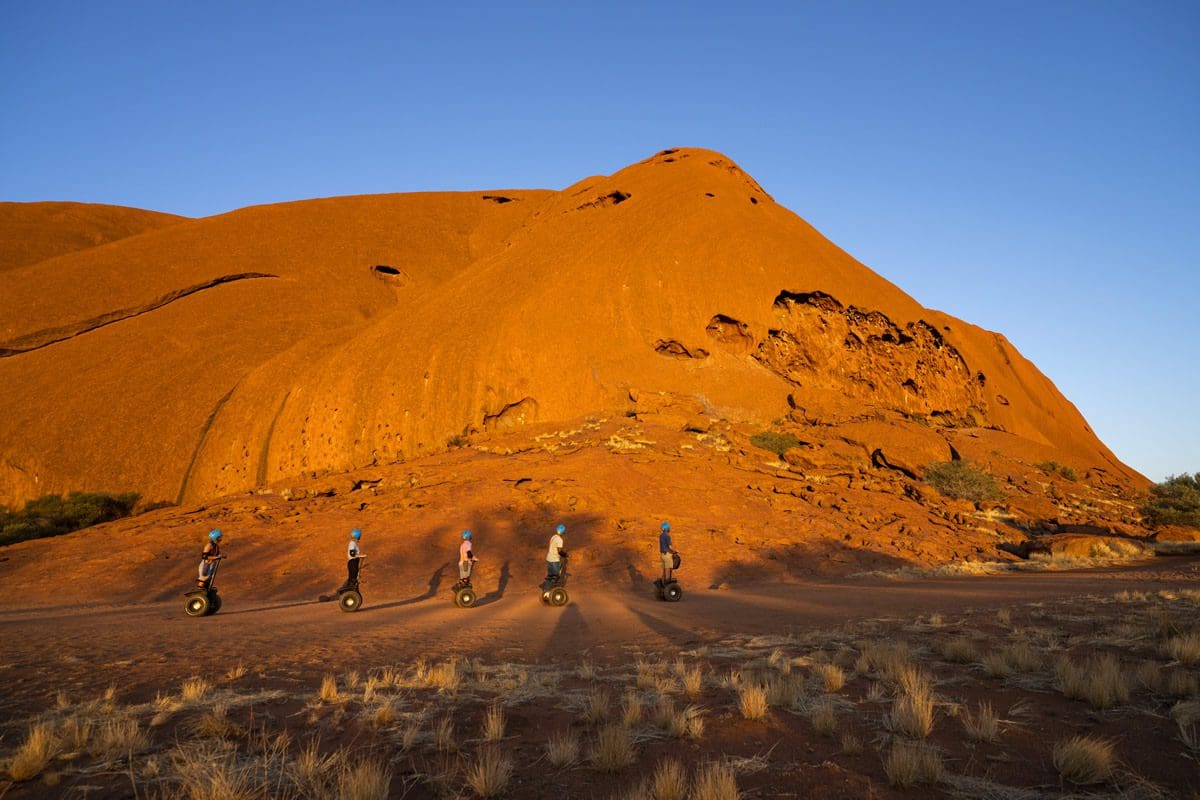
(1032,167)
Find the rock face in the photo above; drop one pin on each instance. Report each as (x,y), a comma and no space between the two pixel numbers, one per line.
(205,357)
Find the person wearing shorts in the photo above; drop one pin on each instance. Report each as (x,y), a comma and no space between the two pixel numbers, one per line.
(666,553)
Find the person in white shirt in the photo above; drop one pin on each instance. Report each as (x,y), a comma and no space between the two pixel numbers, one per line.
(353,554)
(555,554)
(466,559)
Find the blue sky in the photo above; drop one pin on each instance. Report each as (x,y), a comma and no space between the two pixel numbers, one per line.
(1033,168)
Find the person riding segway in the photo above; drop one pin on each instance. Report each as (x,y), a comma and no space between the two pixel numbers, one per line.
(666,587)
(554,588)
(203,599)
(464,593)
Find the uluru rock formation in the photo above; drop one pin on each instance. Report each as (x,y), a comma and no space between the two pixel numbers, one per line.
(187,359)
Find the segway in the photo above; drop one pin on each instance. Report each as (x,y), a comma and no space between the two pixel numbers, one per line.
(554,590)
(669,591)
(204,600)
(464,593)
(348,596)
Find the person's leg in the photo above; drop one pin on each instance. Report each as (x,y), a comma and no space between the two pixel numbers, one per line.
(202,575)
(352,571)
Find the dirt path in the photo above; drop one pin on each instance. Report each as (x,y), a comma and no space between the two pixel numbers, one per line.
(141,649)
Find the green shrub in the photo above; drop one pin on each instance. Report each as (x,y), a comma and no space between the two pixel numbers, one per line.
(457,440)
(53,514)
(962,480)
(1055,468)
(774,441)
(1175,501)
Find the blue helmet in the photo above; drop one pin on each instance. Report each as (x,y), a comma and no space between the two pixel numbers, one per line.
(561,528)
(466,534)
(666,526)
(214,534)
(356,534)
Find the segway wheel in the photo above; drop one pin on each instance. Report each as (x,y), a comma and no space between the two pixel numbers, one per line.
(196,605)
(350,601)
(546,598)
(214,605)
(672,593)
(558,596)
(465,597)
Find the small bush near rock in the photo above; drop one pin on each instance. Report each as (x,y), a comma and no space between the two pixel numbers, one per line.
(775,442)
(1175,501)
(962,480)
(54,514)
(1055,468)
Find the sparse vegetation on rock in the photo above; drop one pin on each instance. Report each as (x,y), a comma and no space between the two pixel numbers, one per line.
(775,442)
(54,514)
(1175,501)
(962,480)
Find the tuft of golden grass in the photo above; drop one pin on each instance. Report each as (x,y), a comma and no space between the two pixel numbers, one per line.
(117,737)
(597,705)
(823,718)
(647,674)
(887,659)
(958,650)
(236,672)
(193,689)
(408,735)
(830,677)
(215,724)
(368,779)
(784,691)
(562,749)
(352,679)
(669,781)
(1149,676)
(586,671)
(445,677)
(631,708)
(911,763)
(310,768)
(384,714)
(1023,657)
(391,677)
(686,724)
(983,725)
(1004,617)
(1099,681)
(851,744)
(62,701)
(489,772)
(74,733)
(912,710)
(612,749)
(692,679)
(715,781)
(445,736)
(780,661)
(1084,760)
(1184,648)
(752,701)
(996,665)
(34,754)
(329,690)
(493,723)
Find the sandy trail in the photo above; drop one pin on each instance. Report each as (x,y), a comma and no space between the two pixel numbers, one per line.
(144,648)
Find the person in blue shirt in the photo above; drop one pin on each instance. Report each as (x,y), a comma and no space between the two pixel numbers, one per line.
(665,552)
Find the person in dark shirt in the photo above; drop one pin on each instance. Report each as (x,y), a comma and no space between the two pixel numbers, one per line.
(666,553)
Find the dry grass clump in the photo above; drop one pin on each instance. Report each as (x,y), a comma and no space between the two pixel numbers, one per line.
(445,677)
(586,671)
(352,679)
(597,706)
(74,733)
(384,714)
(1084,760)
(35,753)
(1023,657)
(830,677)
(715,781)
(692,680)
(785,691)
(310,768)
(329,690)
(780,661)
(984,725)
(612,749)
(1185,648)
(445,736)
(686,724)
(367,779)
(215,724)
(886,659)
(752,701)
(959,650)
(1182,683)
(912,710)
(1099,681)
(193,689)
(669,781)
(995,665)
(488,773)
(631,708)
(408,735)
(236,672)
(117,737)
(911,763)
(493,723)
(562,749)
(823,718)
(1150,677)
(851,744)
